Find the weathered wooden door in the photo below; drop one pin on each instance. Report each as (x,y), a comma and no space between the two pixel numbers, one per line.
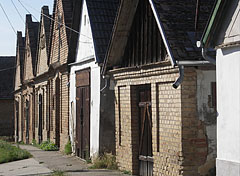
(83,113)
(57,111)
(27,121)
(17,120)
(40,108)
(145,132)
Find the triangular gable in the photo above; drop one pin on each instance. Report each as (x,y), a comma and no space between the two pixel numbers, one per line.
(145,44)
(63,11)
(43,42)
(31,47)
(176,21)
(19,60)
(85,47)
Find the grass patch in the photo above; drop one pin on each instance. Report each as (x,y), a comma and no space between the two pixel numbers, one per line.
(58,173)
(48,146)
(10,153)
(105,161)
(68,148)
(127,172)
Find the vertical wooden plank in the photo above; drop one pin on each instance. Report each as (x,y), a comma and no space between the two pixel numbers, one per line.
(149,48)
(145,32)
(154,42)
(142,34)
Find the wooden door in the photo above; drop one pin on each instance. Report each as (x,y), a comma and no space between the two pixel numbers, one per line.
(17,120)
(57,111)
(40,108)
(27,121)
(83,114)
(145,132)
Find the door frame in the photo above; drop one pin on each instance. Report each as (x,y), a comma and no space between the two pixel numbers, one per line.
(145,123)
(80,149)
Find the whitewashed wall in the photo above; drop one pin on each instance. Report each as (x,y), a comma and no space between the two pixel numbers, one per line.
(86,59)
(228,121)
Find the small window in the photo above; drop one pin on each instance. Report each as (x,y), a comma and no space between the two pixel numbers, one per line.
(85,20)
(212,99)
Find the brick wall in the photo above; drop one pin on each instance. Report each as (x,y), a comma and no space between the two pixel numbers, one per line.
(64,117)
(178,142)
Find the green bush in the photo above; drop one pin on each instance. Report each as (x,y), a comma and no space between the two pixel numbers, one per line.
(105,161)
(68,148)
(11,153)
(48,146)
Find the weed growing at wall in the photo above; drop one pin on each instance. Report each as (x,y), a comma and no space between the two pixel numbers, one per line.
(68,148)
(105,161)
(48,146)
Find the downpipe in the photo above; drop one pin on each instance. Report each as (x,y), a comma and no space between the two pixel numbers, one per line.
(207,57)
(106,83)
(180,78)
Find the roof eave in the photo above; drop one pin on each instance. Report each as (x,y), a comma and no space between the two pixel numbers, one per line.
(160,26)
(212,23)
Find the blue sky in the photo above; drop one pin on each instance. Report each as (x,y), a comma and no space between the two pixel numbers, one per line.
(7,36)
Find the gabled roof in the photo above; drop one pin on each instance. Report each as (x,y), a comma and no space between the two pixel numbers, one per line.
(45,23)
(176,22)
(102,14)
(7,69)
(20,52)
(32,29)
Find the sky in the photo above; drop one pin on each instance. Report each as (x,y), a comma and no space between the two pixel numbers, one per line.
(7,35)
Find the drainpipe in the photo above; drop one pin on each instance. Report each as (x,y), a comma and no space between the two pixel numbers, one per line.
(106,82)
(207,57)
(187,63)
(204,53)
(180,78)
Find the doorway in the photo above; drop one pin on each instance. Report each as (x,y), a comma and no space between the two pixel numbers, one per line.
(57,111)
(17,120)
(83,114)
(40,108)
(145,131)
(27,121)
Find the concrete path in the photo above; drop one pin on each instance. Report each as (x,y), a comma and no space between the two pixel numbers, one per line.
(57,161)
(23,167)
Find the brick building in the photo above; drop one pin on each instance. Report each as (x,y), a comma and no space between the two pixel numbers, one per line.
(28,98)
(63,45)
(91,98)
(18,99)
(6,95)
(161,130)
(41,83)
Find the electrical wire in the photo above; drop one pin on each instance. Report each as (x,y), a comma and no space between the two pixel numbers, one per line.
(18,11)
(8,19)
(8,68)
(27,10)
(52,19)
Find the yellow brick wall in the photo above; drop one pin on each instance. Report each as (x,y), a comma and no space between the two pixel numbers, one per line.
(175,126)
